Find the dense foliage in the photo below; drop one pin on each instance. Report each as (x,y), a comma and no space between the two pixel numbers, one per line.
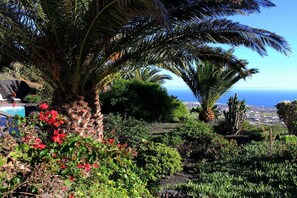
(254,173)
(126,130)
(158,160)
(196,140)
(39,159)
(142,100)
(77,46)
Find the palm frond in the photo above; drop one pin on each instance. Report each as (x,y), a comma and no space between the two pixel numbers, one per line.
(147,74)
(73,42)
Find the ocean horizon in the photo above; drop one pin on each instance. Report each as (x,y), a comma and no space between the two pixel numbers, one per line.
(261,98)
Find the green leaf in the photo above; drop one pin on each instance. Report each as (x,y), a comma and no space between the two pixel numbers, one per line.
(67,183)
(3,160)
(43,152)
(3,189)
(24,147)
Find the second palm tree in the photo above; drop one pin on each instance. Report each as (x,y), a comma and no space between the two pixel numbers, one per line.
(209,81)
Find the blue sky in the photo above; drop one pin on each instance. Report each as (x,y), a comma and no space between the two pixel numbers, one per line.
(276,71)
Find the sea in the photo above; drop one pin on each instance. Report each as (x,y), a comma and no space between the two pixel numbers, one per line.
(261,98)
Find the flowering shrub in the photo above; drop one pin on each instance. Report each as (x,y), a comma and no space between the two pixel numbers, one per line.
(287,112)
(43,160)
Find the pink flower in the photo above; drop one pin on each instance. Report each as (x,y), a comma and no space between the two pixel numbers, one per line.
(87,167)
(64,188)
(95,165)
(43,106)
(80,166)
(38,140)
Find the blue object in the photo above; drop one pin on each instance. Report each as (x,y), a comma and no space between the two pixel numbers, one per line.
(2,121)
(14,110)
(12,127)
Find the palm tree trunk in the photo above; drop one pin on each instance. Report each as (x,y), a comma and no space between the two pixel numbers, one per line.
(83,113)
(207,115)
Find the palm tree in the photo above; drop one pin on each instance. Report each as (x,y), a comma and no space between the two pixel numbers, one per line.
(208,81)
(147,74)
(77,46)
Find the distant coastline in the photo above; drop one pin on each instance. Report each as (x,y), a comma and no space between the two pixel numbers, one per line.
(259,98)
(255,115)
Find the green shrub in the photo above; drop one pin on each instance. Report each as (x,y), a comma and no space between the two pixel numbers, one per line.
(126,130)
(197,140)
(142,100)
(158,160)
(180,112)
(32,99)
(261,132)
(288,138)
(254,173)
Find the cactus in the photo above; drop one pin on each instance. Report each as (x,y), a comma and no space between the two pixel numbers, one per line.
(235,116)
(287,112)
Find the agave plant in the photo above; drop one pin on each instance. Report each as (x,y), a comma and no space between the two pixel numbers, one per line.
(208,81)
(77,46)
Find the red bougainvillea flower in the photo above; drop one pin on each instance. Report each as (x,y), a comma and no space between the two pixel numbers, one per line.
(38,144)
(71,196)
(64,188)
(51,118)
(80,166)
(95,165)
(54,114)
(41,116)
(57,137)
(58,123)
(43,106)
(26,138)
(63,166)
(71,178)
(111,141)
(87,167)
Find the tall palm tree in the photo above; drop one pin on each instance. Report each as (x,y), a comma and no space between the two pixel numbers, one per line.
(208,81)
(147,74)
(77,46)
